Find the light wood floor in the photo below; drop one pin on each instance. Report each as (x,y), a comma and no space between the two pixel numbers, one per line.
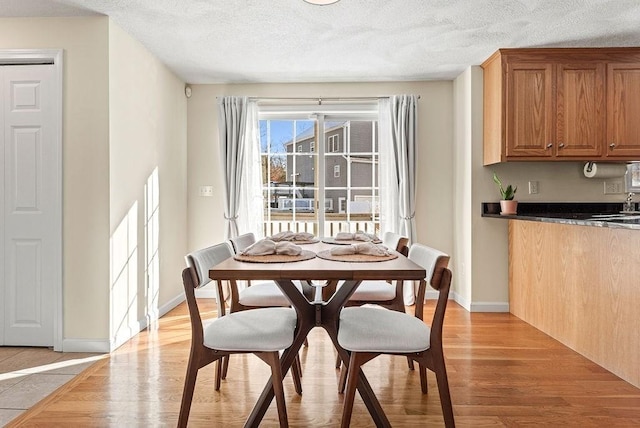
(502,373)
(27,375)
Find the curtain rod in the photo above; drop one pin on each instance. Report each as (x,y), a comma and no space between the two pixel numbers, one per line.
(319,99)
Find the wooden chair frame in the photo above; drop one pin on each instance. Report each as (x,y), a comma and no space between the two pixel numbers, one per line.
(222,365)
(397,303)
(201,356)
(432,358)
(441,263)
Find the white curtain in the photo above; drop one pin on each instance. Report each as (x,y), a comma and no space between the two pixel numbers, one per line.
(387,171)
(251,210)
(397,125)
(240,156)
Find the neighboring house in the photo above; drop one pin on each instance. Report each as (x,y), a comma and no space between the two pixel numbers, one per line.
(348,164)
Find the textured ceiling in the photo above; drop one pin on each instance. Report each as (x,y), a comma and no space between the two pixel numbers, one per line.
(219,41)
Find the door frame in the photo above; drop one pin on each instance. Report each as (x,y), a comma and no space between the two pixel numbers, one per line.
(54,57)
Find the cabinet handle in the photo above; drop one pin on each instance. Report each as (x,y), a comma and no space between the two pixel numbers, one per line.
(561,145)
(549,145)
(612,145)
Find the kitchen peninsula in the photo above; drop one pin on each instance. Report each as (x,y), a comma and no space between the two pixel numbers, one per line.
(574,273)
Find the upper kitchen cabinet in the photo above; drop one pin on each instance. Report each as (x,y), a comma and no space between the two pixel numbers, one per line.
(556,104)
(623,108)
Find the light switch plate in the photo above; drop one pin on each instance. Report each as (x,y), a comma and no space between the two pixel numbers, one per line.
(533,187)
(206,190)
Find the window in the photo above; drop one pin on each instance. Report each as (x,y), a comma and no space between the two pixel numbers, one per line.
(334,145)
(296,182)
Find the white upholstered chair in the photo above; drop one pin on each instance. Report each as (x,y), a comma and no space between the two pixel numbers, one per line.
(263,332)
(383,293)
(258,294)
(367,332)
(200,262)
(388,294)
(433,261)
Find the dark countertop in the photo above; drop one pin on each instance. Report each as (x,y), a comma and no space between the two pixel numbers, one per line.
(579,213)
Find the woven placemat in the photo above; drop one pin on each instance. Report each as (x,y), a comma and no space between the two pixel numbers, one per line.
(276,258)
(312,241)
(326,254)
(335,241)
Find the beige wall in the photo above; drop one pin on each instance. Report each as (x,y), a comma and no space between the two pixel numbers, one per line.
(85,149)
(434,217)
(148,133)
(460,262)
(116,129)
(481,243)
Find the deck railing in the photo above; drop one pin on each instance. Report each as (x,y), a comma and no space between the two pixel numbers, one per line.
(333,225)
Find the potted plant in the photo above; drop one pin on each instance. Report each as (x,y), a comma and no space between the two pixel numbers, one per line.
(507,205)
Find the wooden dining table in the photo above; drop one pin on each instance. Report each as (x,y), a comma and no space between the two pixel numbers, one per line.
(315,311)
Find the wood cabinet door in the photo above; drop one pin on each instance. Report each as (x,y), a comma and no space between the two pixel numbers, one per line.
(580,109)
(623,110)
(530,110)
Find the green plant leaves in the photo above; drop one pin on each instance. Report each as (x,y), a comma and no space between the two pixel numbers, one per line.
(507,194)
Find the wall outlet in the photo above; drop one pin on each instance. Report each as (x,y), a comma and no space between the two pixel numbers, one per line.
(533,187)
(206,190)
(612,187)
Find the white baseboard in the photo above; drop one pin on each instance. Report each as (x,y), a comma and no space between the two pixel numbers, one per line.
(204,293)
(86,345)
(171,304)
(461,300)
(106,346)
(431,295)
(489,307)
(471,306)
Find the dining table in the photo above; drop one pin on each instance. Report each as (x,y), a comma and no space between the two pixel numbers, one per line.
(319,309)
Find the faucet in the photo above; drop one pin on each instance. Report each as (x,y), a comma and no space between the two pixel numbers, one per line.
(629,205)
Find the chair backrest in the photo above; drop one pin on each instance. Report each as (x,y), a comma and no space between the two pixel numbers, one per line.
(189,282)
(241,242)
(444,283)
(432,260)
(201,261)
(435,263)
(396,242)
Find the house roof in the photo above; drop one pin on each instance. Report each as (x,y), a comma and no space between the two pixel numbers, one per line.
(310,132)
(238,41)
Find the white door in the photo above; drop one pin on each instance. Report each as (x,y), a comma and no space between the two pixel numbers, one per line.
(30,256)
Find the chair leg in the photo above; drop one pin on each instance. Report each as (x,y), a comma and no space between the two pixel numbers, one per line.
(343,379)
(296,375)
(219,371)
(350,394)
(273,359)
(225,366)
(338,362)
(443,389)
(423,379)
(187,393)
(299,364)
(410,363)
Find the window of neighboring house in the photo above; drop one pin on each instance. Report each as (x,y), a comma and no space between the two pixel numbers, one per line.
(334,145)
(296,182)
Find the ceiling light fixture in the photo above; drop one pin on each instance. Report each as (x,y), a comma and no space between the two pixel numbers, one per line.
(322,2)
